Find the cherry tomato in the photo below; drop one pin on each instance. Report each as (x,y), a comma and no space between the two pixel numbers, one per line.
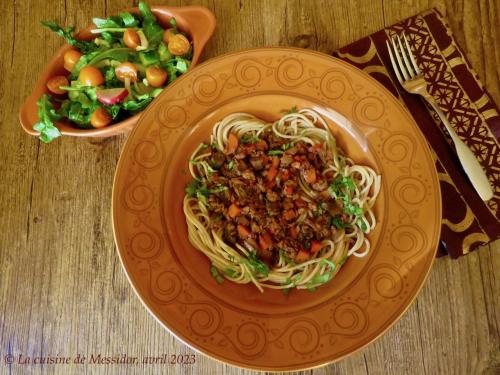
(168,34)
(54,83)
(100,118)
(178,45)
(126,70)
(71,57)
(91,76)
(131,38)
(156,76)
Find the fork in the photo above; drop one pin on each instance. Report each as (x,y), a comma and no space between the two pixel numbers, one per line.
(412,80)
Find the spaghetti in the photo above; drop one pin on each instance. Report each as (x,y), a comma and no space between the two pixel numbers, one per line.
(278,204)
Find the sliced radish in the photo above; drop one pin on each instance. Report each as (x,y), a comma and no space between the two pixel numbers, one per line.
(111,96)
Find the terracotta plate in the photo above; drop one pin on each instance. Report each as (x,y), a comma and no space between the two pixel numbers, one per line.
(235,323)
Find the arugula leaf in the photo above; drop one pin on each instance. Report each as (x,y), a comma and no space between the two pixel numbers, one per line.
(173,22)
(84,46)
(128,20)
(46,113)
(152,30)
(137,105)
(108,23)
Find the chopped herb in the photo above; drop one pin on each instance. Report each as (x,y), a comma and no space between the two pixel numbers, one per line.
(350,208)
(319,210)
(258,265)
(215,274)
(291,110)
(324,278)
(230,272)
(338,222)
(307,245)
(285,258)
(362,225)
(287,146)
(249,138)
(231,165)
(311,289)
(275,152)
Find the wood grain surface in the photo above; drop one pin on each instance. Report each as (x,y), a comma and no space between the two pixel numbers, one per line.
(62,289)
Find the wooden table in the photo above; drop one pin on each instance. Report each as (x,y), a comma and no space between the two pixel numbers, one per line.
(62,289)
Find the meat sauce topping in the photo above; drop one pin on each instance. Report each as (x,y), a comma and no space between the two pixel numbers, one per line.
(254,196)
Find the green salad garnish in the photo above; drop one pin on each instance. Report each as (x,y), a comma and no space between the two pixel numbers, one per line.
(116,74)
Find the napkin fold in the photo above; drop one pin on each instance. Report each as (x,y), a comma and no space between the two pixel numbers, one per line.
(467,222)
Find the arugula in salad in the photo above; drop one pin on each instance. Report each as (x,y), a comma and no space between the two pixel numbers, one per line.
(115,75)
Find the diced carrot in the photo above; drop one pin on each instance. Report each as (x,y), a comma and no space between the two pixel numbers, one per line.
(302,256)
(289,214)
(316,246)
(261,145)
(232,144)
(272,173)
(233,211)
(294,232)
(275,162)
(288,190)
(310,175)
(243,231)
(265,241)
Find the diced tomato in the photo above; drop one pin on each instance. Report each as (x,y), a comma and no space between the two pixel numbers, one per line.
(302,256)
(233,211)
(288,190)
(265,241)
(243,231)
(300,202)
(310,175)
(261,145)
(296,158)
(232,144)
(293,232)
(289,215)
(316,246)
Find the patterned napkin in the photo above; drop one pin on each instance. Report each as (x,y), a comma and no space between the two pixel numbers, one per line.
(468,222)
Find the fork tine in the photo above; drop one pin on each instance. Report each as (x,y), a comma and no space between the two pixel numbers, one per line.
(398,57)
(412,58)
(394,64)
(404,53)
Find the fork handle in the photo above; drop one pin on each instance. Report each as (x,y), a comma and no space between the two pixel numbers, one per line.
(471,166)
